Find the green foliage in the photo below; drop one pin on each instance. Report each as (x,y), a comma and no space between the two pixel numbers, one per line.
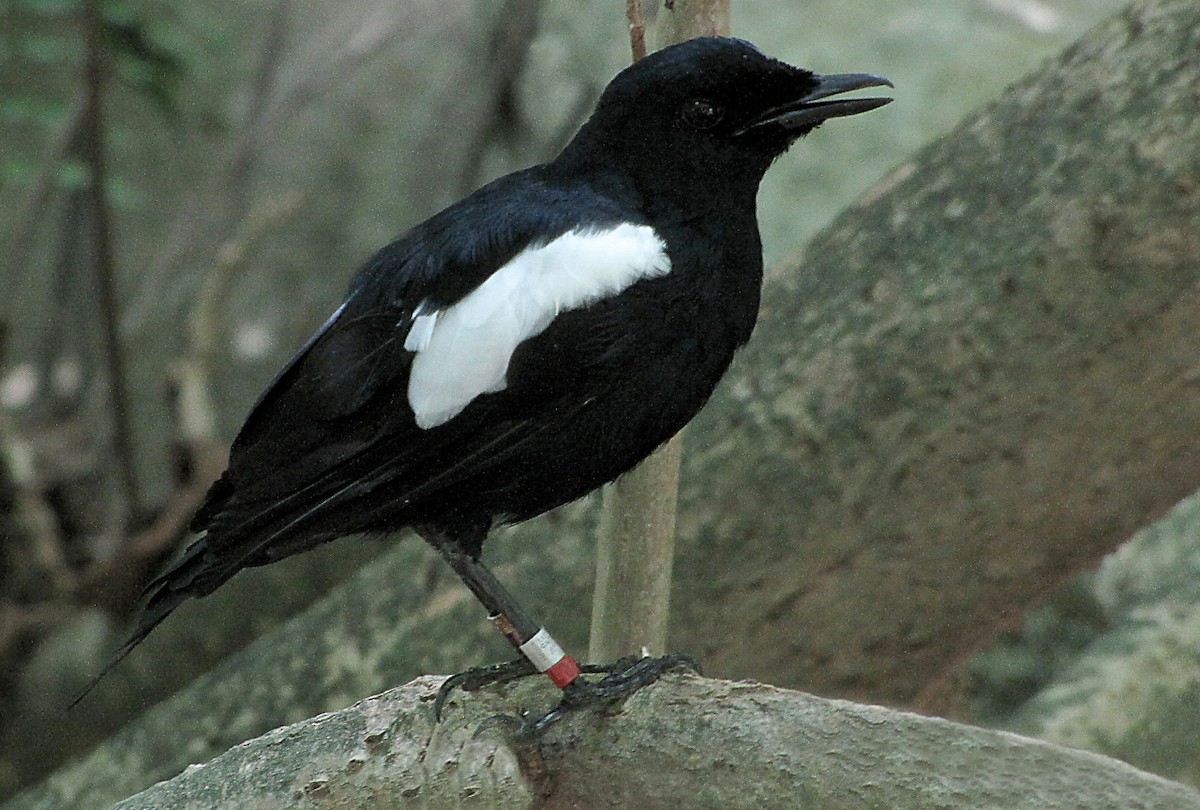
(144,63)
(46,7)
(72,174)
(43,49)
(16,170)
(31,110)
(41,57)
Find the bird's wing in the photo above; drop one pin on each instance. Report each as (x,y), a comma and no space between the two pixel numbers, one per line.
(394,389)
(463,350)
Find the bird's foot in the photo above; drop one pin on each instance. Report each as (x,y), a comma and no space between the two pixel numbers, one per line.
(622,678)
(479,677)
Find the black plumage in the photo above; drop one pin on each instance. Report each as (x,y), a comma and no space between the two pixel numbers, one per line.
(673,155)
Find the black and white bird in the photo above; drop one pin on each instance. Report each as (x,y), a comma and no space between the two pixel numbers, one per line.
(528,344)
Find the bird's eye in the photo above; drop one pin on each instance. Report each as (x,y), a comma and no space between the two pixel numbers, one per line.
(702,113)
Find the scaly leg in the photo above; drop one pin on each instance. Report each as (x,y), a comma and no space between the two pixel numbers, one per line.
(529,638)
(540,652)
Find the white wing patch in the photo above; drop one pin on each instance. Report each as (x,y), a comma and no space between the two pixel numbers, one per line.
(463,351)
(422,329)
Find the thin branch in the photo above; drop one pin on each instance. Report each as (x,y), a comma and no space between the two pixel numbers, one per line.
(266,79)
(105,266)
(683,19)
(115,582)
(195,414)
(637,28)
(33,209)
(483,113)
(634,557)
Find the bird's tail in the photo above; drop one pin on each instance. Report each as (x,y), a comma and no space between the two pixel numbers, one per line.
(168,591)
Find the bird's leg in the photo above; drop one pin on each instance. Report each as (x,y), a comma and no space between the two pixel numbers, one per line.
(539,651)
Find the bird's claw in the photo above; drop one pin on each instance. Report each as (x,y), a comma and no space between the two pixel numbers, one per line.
(507,724)
(622,678)
(479,677)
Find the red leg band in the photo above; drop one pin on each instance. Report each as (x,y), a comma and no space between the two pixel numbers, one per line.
(563,672)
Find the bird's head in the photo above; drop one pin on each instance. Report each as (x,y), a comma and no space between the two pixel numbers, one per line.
(713,111)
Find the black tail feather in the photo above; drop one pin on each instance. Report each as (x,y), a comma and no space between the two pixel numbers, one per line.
(148,621)
(167,592)
(242,540)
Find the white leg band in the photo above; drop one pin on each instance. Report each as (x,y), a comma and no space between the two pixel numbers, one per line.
(542,650)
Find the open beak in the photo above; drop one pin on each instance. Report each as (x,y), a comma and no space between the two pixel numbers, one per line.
(811,109)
